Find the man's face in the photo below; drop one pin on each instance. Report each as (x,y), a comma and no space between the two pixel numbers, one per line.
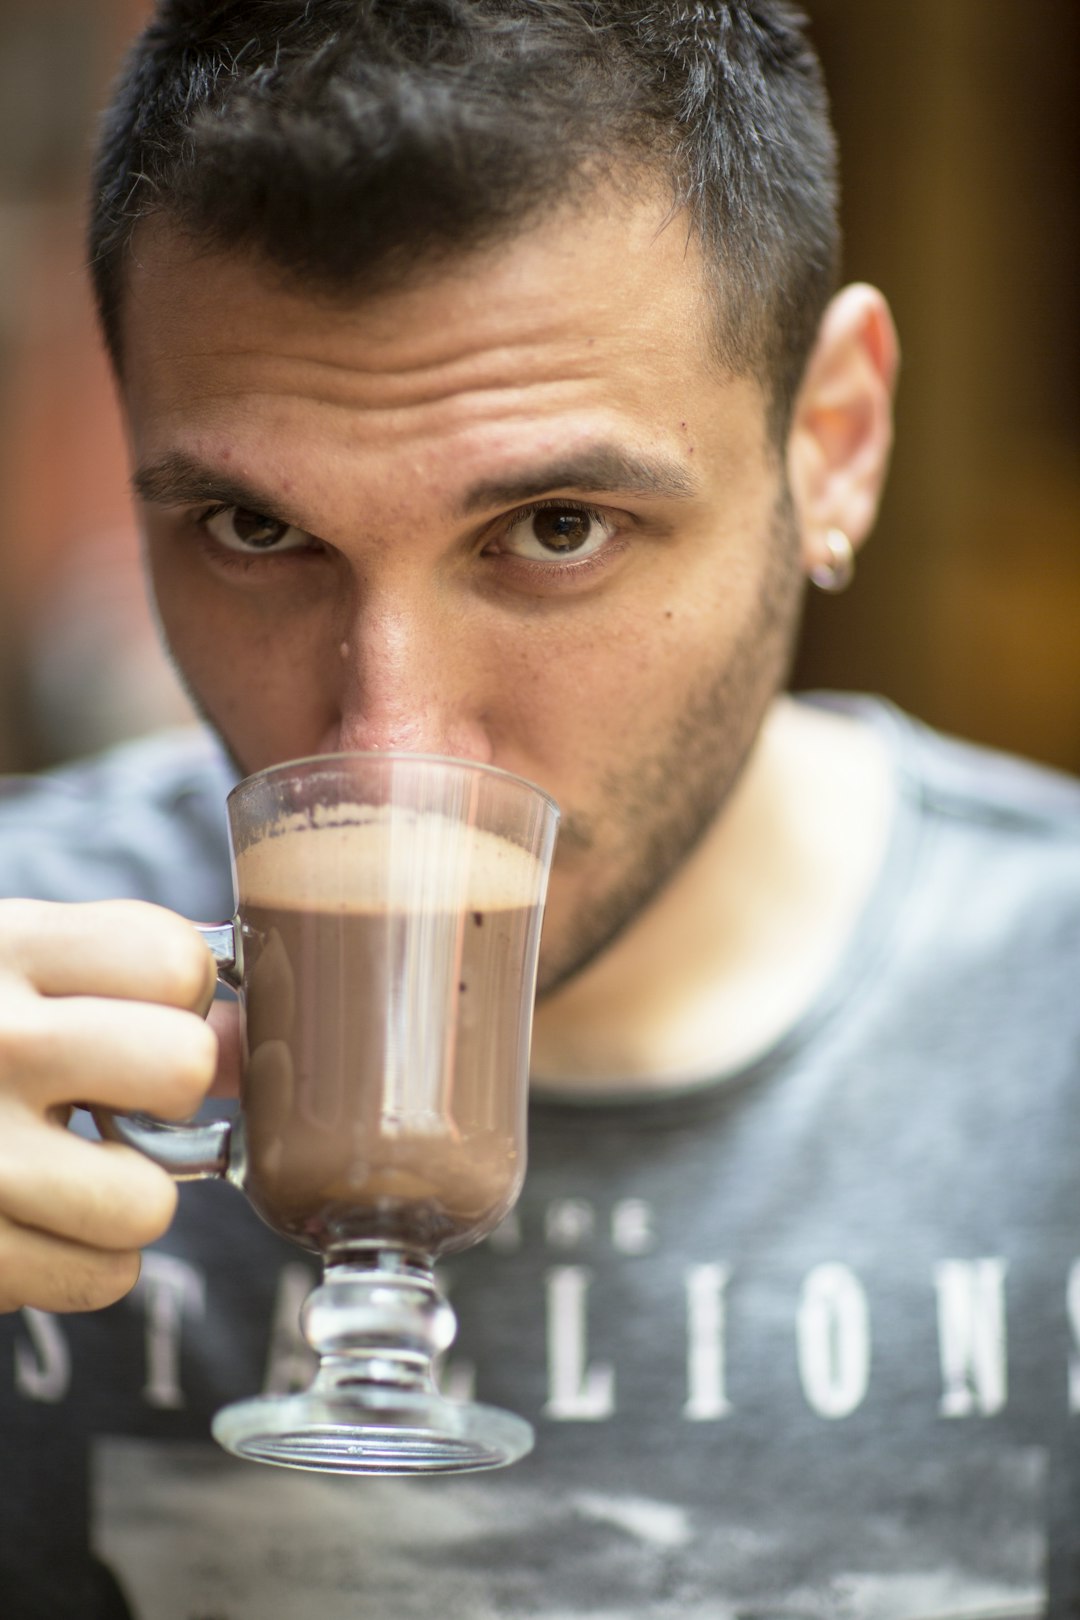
(509,513)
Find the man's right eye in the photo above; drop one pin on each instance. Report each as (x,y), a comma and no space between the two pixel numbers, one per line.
(250,533)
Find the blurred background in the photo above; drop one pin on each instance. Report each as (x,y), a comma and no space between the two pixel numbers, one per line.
(961,162)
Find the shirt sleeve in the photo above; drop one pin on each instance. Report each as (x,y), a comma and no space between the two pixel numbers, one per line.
(143,821)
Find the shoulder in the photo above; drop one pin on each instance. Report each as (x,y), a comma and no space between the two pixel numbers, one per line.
(184,766)
(984,853)
(144,820)
(968,784)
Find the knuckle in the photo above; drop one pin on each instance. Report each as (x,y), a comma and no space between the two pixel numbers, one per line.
(149,1213)
(141,1207)
(13,1160)
(12,1295)
(173,959)
(64,1277)
(182,965)
(23,1038)
(129,916)
(191,1070)
(102,1279)
(20,919)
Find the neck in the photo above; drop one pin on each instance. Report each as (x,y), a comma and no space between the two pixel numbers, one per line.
(736,947)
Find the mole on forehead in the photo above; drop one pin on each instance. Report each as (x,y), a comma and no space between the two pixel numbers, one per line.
(357,857)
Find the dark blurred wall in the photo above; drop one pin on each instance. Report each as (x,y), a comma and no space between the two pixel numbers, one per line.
(961,160)
(78,662)
(48,54)
(962,174)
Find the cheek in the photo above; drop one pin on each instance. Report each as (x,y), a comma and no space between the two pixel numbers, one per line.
(609,687)
(184,612)
(260,675)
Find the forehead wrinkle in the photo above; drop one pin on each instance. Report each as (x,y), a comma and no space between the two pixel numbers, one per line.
(379,394)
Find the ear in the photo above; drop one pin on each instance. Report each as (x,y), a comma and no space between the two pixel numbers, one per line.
(841,430)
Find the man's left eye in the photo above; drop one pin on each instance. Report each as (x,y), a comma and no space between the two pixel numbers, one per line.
(251,533)
(545,532)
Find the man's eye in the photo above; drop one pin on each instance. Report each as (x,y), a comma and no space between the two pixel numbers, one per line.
(237,529)
(544,532)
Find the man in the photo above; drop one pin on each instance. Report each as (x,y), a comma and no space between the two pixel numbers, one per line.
(488,395)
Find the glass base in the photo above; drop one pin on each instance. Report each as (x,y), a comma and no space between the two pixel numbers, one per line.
(380,1433)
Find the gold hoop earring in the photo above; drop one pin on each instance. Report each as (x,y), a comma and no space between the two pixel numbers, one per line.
(836,574)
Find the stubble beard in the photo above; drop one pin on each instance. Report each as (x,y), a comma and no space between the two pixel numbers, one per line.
(667,801)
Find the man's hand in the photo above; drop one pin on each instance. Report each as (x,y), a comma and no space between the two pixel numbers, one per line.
(101,1003)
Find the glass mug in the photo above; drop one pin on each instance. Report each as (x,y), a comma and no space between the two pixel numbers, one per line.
(385,951)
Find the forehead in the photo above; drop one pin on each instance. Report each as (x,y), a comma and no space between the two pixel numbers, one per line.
(593,318)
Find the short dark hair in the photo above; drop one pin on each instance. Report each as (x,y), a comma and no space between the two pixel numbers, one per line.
(349,142)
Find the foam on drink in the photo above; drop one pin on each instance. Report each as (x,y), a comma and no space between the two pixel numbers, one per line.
(384,855)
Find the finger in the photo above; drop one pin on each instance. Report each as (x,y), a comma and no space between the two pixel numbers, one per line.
(97,1194)
(224,1020)
(130,1055)
(54,1274)
(121,948)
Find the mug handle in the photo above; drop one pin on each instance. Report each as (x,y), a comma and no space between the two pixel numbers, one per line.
(188,1152)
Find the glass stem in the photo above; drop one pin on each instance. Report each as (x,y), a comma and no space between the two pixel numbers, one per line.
(378,1319)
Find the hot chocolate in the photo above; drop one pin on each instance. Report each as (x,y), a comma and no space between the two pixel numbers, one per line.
(386,1030)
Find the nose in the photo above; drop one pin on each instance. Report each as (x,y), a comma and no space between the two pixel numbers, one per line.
(408,680)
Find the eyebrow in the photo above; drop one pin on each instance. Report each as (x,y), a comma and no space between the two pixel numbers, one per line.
(177,479)
(605,467)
